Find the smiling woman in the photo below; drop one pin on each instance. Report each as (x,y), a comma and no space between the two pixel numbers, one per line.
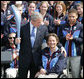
(31,7)
(60,9)
(53,61)
(52,41)
(47,18)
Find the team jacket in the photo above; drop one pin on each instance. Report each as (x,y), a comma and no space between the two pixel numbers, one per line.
(72,46)
(53,63)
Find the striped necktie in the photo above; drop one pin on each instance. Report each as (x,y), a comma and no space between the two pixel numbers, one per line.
(33,36)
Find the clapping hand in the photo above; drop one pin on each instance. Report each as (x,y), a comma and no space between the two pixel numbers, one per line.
(69,36)
(57,22)
(46,23)
(42,71)
(63,51)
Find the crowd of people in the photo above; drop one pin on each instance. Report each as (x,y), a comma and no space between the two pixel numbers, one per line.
(51,37)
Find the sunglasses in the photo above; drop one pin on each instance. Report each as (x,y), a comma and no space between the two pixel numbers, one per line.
(11,37)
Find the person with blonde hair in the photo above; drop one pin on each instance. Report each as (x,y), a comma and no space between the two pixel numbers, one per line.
(79,8)
(47,18)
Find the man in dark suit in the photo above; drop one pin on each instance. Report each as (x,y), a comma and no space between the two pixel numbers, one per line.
(29,55)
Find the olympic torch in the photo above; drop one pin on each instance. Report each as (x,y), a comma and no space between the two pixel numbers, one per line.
(18,22)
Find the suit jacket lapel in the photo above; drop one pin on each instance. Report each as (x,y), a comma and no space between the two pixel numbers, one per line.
(28,31)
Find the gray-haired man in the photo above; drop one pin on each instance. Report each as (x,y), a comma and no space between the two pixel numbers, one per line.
(29,55)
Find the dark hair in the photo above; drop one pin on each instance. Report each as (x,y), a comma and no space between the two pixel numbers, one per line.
(54,35)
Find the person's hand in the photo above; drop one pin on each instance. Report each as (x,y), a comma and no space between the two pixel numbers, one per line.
(42,23)
(57,22)
(37,74)
(15,53)
(46,23)
(68,36)
(63,51)
(42,71)
(71,37)
(17,40)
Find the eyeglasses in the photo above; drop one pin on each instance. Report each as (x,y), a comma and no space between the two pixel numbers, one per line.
(11,37)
